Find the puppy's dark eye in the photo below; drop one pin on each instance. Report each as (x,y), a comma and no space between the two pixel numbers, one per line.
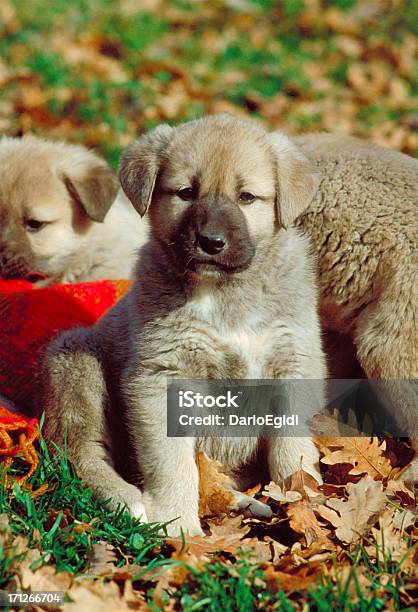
(187,193)
(32,225)
(246,197)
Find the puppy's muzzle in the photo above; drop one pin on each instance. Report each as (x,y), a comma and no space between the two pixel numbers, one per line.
(214,236)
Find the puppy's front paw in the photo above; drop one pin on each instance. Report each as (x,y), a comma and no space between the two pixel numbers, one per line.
(160,511)
(131,497)
(289,455)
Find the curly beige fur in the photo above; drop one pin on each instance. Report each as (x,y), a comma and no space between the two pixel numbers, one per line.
(364,222)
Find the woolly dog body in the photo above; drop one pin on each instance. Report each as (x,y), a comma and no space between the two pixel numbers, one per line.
(364,224)
(223,290)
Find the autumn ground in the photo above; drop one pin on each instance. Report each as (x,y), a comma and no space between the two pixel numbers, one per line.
(99,72)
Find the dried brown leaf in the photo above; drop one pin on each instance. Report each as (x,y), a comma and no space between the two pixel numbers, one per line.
(403,519)
(304,521)
(305,484)
(391,543)
(102,596)
(366,455)
(398,490)
(215,495)
(295,579)
(274,491)
(43,579)
(226,535)
(354,517)
(253,491)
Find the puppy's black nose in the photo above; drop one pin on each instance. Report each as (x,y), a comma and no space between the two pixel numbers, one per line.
(212,244)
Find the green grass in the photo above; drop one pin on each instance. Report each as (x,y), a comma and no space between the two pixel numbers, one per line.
(226,588)
(66,521)
(242,587)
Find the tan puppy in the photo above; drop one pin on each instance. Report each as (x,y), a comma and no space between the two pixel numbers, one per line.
(364,224)
(61,215)
(223,291)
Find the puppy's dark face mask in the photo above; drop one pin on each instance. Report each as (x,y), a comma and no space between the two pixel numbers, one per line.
(212,238)
(216,189)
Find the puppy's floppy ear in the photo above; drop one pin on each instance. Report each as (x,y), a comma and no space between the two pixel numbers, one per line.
(297,181)
(92,183)
(140,165)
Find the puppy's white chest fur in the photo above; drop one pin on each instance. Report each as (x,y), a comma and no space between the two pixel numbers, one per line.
(249,338)
(252,347)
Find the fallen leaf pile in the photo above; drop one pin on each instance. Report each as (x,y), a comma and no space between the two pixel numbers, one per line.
(102,74)
(312,535)
(312,523)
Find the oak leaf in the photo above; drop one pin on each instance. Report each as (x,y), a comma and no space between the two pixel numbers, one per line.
(215,494)
(391,544)
(273,491)
(168,579)
(303,520)
(253,491)
(226,535)
(102,596)
(292,580)
(46,578)
(305,484)
(398,490)
(403,519)
(263,551)
(354,517)
(318,551)
(366,455)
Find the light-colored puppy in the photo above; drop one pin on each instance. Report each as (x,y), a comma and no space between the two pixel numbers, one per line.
(226,290)
(364,224)
(61,215)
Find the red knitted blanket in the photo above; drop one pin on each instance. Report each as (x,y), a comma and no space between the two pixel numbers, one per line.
(29,319)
